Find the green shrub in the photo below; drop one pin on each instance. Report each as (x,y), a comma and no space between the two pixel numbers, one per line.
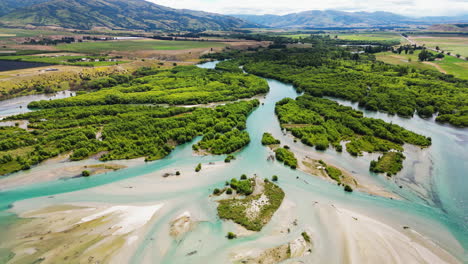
(287,157)
(231,235)
(268,139)
(85,173)
(348,188)
(198,168)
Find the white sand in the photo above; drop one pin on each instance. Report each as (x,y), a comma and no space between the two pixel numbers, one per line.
(366,240)
(130,218)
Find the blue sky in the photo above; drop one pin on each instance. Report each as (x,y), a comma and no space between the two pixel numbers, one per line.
(404,7)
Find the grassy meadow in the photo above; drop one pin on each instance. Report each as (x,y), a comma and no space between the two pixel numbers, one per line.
(455,45)
(449,64)
(374,36)
(134,45)
(63,60)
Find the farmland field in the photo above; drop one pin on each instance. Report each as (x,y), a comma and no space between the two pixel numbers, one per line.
(448,64)
(455,45)
(372,36)
(64,60)
(134,45)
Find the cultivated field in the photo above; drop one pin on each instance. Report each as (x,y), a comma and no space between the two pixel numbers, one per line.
(449,64)
(455,45)
(135,45)
(374,36)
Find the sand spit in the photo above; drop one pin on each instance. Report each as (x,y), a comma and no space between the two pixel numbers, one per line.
(181,225)
(361,239)
(313,167)
(294,249)
(77,233)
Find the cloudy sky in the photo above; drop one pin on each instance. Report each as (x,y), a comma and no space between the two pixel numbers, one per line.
(404,7)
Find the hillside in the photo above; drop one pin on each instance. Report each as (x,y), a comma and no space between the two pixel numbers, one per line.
(7,6)
(331,18)
(116,14)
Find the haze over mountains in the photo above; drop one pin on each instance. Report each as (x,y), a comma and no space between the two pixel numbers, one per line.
(144,15)
(332,18)
(112,14)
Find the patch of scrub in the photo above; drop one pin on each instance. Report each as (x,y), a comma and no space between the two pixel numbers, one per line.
(252,210)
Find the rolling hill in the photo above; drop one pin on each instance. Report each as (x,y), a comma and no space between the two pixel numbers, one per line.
(113,14)
(332,18)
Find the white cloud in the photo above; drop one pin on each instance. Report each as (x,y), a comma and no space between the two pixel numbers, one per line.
(404,7)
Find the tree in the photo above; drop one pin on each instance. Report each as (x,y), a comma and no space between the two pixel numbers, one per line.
(198,168)
(231,235)
(85,173)
(274,178)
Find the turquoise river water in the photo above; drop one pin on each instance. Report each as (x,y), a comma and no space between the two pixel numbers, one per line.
(433,185)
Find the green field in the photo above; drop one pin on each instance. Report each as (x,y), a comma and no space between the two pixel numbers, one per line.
(455,45)
(372,36)
(449,64)
(134,45)
(6,33)
(295,36)
(63,60)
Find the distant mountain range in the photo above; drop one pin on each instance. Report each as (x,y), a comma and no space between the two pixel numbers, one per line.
(144,15)
(331,18)
(112,14)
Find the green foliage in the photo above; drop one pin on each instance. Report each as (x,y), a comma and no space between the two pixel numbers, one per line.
(287,157)
(229,66)
(231,235)
(180,85)
(348,188)
(321,122)
(229,191)
(236,209)
(274,178)
(118,131)
(216,191)
(390,163)
(198,168)
(327,70)
(229,158)
(268,139)
(334,173)
(85,173)
(306,237)
(244,186)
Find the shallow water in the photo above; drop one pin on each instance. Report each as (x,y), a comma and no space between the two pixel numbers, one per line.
(19,105)
(8,65)
(431,210)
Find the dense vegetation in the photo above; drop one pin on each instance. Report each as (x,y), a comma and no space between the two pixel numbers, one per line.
(227,135)
(179,85)
(287,157)
(118,132)
(321,122)
(228,65)
(242,212)
(390,163)
(268,139)
(328,70)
